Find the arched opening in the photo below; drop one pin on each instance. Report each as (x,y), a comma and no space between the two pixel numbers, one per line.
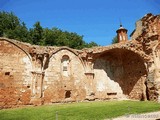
(68,94)
(65,65)
(125,68)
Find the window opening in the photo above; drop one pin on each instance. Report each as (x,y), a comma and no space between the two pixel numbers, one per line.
(68,94)
(7,73)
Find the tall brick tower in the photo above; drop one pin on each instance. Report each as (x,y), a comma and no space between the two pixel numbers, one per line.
(122,34)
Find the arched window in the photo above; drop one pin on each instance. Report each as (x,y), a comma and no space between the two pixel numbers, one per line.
(120,37)
(65,66)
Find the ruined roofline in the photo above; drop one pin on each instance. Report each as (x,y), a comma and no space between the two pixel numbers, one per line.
(39,49)
(108,47)
(48,47)
(32,45)
(54,49)
(15,41)
(35,49)
(141,33)
(149,16)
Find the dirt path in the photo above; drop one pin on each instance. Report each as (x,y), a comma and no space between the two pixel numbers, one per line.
(144,116)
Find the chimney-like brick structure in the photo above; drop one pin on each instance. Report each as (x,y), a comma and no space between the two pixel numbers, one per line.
(122,34)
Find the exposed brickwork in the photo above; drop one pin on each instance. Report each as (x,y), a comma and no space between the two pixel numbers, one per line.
(31,74)
(15,77)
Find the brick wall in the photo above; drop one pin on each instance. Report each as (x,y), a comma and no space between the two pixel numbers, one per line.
(15,79)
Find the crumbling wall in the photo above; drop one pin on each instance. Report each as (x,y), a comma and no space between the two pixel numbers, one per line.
(15,78)
(150,38)
(57,84)
(137,31)
(120,72)
(104,85)
(153,81)
(31,74)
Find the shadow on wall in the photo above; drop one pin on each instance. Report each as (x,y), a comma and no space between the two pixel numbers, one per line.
(126,68)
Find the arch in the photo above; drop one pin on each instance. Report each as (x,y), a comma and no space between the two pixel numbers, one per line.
(16,71)
(129,50)
(63,48)
(71,50)
(130,46)
(65,57)
(124,67)
(65,65)
(142,56)
(8,40)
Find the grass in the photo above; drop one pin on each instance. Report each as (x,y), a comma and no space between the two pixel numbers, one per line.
(80,111)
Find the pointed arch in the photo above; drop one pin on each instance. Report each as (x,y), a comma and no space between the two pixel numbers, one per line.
(16,45)
(72,51)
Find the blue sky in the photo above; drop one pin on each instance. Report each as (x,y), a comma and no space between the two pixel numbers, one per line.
(96,20)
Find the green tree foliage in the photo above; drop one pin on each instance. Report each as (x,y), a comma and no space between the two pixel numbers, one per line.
(49,36)
(115,40)
(12,27)
(91,44)
(36,34)
(8,21)
(57,37)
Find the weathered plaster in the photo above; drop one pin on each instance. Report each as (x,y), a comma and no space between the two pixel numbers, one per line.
(31,74)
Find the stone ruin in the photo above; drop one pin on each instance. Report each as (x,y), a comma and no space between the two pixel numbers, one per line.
(36,75)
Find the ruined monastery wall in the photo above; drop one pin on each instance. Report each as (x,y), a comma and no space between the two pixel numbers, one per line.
(15,76)
(64,74)
(121,72)
(37,75)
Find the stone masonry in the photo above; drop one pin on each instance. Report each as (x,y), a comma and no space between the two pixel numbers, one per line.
(36,75)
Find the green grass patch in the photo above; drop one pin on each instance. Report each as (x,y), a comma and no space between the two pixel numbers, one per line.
(80,111)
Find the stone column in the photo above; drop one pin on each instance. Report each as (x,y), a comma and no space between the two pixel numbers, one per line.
(37,87)
(40,63)
(90,76)
(37,84)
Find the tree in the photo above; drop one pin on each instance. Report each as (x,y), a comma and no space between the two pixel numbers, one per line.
(22,33)
(36,34)
(115,40)
(8,23)
(49,37)
(74,40)
(91,44)
(12,27)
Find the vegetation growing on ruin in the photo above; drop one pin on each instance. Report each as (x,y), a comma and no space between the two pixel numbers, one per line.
(80,111)
(12,27)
